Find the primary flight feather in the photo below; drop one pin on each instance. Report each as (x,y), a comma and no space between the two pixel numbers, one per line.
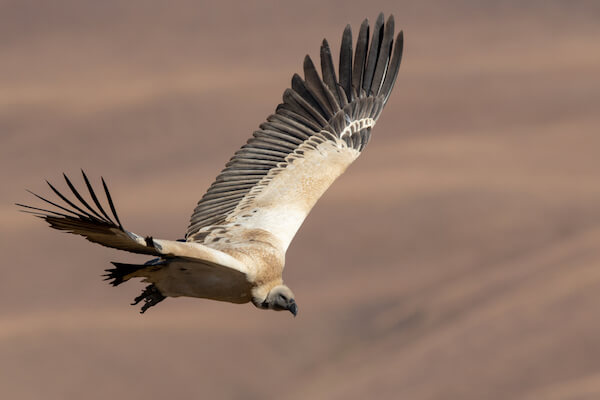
(235,244)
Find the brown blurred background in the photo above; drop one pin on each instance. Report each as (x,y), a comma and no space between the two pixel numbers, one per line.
(458,258)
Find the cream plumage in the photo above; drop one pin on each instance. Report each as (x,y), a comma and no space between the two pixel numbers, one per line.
(234,247)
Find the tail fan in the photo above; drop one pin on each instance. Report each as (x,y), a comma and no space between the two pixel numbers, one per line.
(119,274)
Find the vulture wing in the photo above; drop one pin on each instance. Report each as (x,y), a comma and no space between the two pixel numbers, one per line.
(94,223)
(324,122)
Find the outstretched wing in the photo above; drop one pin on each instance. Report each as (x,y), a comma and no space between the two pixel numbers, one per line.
(271,183)
(93,223)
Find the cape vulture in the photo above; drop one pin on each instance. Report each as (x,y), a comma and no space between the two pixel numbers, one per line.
(235,244)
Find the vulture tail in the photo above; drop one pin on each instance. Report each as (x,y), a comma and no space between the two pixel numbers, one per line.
(122,272)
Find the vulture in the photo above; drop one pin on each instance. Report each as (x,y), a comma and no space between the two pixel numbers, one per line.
(234,247)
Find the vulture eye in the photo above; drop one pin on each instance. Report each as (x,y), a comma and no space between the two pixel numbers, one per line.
(282,297)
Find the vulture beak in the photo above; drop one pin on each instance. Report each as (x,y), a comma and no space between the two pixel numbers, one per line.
(293,308)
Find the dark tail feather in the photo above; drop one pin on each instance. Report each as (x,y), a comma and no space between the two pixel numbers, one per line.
(118,275)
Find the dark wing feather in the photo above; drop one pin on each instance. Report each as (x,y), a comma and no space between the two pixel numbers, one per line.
(328,72)
(315,109)
(346,63)
(300,87)
(94,224)
(373,54)
(384,56)
(390,77)
(318,89)
(360,57)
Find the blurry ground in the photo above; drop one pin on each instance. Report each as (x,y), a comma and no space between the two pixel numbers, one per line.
(458,258)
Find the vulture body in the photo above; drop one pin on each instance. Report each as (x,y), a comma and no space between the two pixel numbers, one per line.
(235,244)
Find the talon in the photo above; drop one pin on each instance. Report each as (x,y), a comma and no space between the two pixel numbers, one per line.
(151,296)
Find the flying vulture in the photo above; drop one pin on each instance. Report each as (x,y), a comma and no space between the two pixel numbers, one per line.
(235,244)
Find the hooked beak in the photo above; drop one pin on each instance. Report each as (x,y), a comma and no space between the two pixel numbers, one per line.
(293,308)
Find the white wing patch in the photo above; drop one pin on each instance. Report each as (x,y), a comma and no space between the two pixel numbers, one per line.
(356,126)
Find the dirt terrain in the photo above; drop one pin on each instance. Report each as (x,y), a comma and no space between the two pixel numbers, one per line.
(458,258)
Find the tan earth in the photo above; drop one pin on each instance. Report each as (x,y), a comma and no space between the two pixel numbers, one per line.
(458,258)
